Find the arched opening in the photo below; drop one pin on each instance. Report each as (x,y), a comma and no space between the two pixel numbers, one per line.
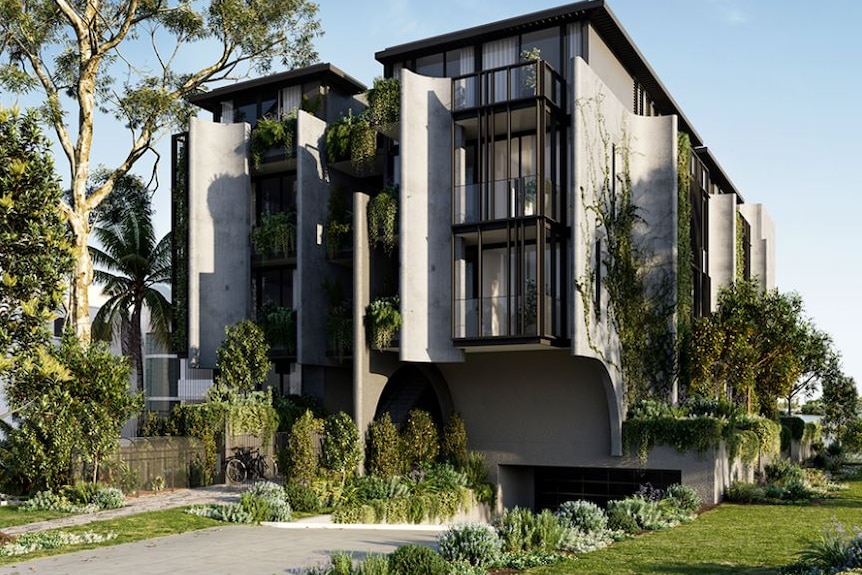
(415,387)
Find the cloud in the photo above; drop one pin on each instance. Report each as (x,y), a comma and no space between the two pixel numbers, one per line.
(730,12)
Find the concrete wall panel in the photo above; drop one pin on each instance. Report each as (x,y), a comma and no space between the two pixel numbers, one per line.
(425,212)
(608,68)
(219,245)
(762,243)
(722,244)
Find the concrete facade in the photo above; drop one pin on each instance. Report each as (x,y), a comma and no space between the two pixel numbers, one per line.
(500,260)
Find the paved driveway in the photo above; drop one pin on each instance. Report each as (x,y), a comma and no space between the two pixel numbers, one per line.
(230,550)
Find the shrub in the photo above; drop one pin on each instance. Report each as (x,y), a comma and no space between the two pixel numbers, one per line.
(301,453)
(443,477)
(837,549)
(548,533)
(783,471)
(341,450)
(383,451)
(374,565)
(740,492)
(421,441)
(530,559)
(302,497)
(82,493)
(109,498)
(32,542)
(578,541)
(230,513)
(266,501)
(517,528)
(476,543)
(477,478)
(582,515)
(416,560)
(647,515)
(453,446)
(684,498)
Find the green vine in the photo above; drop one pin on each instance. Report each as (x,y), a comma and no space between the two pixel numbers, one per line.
(740,248)
(641,306)
(685,257)
(383,319)
(383,220)
(352,138)
(273,132)
(275,234)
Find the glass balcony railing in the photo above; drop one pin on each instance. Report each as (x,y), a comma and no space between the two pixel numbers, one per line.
(506,316)
(515,82)
(504,199)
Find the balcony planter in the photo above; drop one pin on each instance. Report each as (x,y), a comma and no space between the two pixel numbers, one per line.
(279,326)
(338,230)
(273,138)
(339,330)
(383,220)
(275,235)
(352,138)
(384,106)
(383,320)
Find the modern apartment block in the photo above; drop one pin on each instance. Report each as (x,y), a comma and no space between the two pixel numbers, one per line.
(512,139)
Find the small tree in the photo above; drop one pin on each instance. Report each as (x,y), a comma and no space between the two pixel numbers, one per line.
(242,358)
(839,404)
(383,452)
(341,448)
(80,401)
(420,439)
(453,447)
(302,460)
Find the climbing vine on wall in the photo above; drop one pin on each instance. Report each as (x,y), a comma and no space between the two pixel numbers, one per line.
(641,306)
(740,248)
(685,283)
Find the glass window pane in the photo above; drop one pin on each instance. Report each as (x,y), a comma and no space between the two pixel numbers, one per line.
(430,65)
(548,43)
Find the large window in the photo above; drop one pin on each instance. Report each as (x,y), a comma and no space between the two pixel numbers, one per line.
(275,194)
(251,108)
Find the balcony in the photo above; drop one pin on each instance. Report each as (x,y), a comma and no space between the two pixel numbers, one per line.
(506,199)
(511,83)
(507,317)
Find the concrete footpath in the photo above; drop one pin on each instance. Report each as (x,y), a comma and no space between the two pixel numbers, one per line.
(279,548)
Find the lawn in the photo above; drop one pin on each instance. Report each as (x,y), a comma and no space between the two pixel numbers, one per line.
(739,539)
(9,516)
(129,529)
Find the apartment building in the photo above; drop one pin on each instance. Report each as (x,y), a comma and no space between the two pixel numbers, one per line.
(511,143)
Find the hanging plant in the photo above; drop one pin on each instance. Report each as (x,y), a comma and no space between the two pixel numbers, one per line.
(383,320)
(363,146)
(383,220)
(384,103)
(270,133)
(339,322)
(338,139)
(279,325)
(275,234)
(339,227)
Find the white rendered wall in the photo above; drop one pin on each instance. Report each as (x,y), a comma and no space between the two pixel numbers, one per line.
(425,219)
(219,226)
(607,67)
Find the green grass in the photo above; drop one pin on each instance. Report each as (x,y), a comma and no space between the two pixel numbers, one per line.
(129,529)
(10,516)
(738,539)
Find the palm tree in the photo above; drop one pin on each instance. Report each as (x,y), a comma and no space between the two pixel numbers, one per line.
(130,264)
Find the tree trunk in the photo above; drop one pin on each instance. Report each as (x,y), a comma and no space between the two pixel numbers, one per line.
(81,280)
(135,347)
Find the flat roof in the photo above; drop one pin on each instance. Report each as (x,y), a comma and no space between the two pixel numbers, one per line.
(606,25)
(329,73)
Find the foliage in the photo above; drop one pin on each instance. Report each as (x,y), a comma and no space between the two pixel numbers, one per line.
(420,439)
(383,449)
(818,363)
(634,514)
(202,421)
(242,358)
(582,515)
(339,221)
(417,560)
(383,220)
(836,549)
(275,234)
(341,449)
(35,254)
(383,320)
(279,325)
(522,531)
(475,543)
(252,413)
(795,426)
(292,407)
(839,404)
(270,133)
(78,59)
(78,402)
(302,497)
(339,322)
(226,513)
(84,498)
(747,350)
(109,498)
(266,501)
(302,458)
(453,444)
(352,138)
(384,103)
(41,540)
(684,498)
(685,256)
(131,263)
(477,478)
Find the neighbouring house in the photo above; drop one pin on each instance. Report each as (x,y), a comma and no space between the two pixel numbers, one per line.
(479,213)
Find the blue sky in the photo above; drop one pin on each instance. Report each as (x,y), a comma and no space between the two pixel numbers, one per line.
(772,86)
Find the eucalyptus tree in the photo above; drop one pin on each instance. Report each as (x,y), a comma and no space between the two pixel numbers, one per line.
(73,53)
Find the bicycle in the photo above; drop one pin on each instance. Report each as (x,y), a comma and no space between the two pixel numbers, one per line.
(247,463)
